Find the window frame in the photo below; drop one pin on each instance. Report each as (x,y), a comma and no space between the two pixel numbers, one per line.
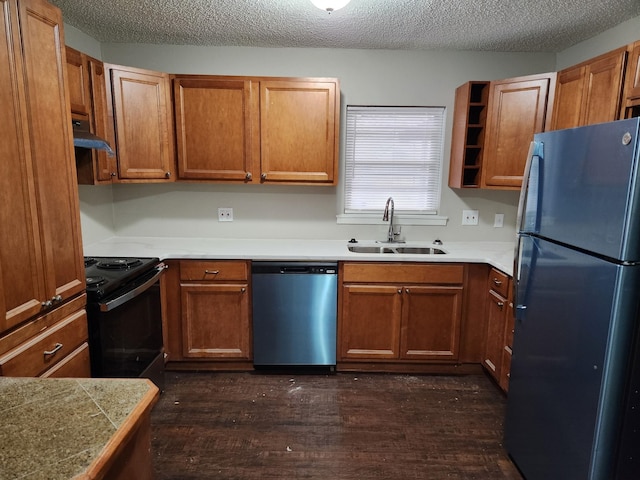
(370,217)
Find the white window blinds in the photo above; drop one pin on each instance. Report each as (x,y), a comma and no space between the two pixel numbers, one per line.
(394,152)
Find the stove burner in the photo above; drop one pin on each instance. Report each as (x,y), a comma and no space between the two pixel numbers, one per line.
(118,263)
(88,261)
(95,281)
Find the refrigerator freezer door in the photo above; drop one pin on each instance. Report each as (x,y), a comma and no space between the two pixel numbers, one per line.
(588,190)
(565,392)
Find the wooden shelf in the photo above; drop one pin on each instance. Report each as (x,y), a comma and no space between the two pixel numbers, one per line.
(467,142)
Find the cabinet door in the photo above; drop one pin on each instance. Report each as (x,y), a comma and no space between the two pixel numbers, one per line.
(370,322)
(604,88)
(568,102)
(21,282)
(631,105)
(215,321)
(517,110)
(51,146)
(633,90)
(78,78)
(496,318)
(106,168)
(141,102)
(214,119)
(431,317)
(590,92)
(298,131)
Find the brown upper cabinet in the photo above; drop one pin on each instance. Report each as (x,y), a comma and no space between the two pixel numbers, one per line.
(518,109)
(140,114)
(214,119)
(41,263)
(590,92)
(87,94)
(257,129)
(631,102)
(493,124)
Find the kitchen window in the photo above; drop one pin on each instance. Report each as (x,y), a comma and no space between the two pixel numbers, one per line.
(393,152)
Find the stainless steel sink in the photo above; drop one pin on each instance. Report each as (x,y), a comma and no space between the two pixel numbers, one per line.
(420,250)
(401,250)
(370,249)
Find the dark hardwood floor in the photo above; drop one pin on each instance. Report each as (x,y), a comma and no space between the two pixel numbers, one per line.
(342,426)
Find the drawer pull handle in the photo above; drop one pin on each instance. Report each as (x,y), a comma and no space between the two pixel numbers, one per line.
(211,272)
(497,282)
(54,351)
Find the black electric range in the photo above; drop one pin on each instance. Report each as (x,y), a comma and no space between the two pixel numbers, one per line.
(105,275)
(124,313)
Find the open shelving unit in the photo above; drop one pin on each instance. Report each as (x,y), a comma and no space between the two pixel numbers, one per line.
(467,140)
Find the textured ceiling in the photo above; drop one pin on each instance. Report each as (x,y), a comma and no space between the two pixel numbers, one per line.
(492,25)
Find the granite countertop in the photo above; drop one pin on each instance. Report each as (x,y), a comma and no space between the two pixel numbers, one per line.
(496,254)
(54,429)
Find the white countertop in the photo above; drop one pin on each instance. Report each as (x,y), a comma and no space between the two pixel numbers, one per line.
(496,254)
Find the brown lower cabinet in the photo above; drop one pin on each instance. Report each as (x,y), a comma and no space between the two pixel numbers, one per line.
(52,345)
(391,316)
(400,312)
(499,333)
(208,314)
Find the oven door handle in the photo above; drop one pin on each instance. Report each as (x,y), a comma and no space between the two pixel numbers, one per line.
(116,302)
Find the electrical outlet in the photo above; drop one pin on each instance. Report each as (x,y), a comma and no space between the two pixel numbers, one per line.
(470,217)
(225,214)
(498,221)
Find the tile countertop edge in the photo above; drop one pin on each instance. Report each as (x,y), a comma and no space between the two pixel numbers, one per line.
(119,440)
(497,254)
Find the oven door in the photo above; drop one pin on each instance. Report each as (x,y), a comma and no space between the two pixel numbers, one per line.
(125,331)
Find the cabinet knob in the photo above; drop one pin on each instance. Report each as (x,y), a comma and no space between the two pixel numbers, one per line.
(113,174)
(56,299)
(167,174)
(500,304)
(55,350)
(248,176)
(46,304)
(399,290)
(263,176)
(407,290)
(243,289)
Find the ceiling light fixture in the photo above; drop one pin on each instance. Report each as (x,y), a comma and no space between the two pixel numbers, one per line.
(330,5)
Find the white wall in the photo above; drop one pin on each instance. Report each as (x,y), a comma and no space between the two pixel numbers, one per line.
(623,34)
(368,77)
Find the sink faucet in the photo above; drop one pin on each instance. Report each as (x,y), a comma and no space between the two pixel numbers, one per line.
(389,218)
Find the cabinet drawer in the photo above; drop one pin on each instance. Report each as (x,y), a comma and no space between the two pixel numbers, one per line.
(499,282)
(213,270)
(402,273)
(74,365)
(46,349)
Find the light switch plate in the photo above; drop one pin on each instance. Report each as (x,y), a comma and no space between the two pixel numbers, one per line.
(498,221)
(470,217)
(225,214)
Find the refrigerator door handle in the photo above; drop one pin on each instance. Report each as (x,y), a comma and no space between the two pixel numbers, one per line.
(525,188)
(517,261)
(530,185)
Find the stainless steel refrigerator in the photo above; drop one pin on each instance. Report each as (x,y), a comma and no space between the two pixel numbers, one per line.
(573,409)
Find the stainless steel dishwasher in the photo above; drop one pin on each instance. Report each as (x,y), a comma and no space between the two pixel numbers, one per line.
(294,313)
